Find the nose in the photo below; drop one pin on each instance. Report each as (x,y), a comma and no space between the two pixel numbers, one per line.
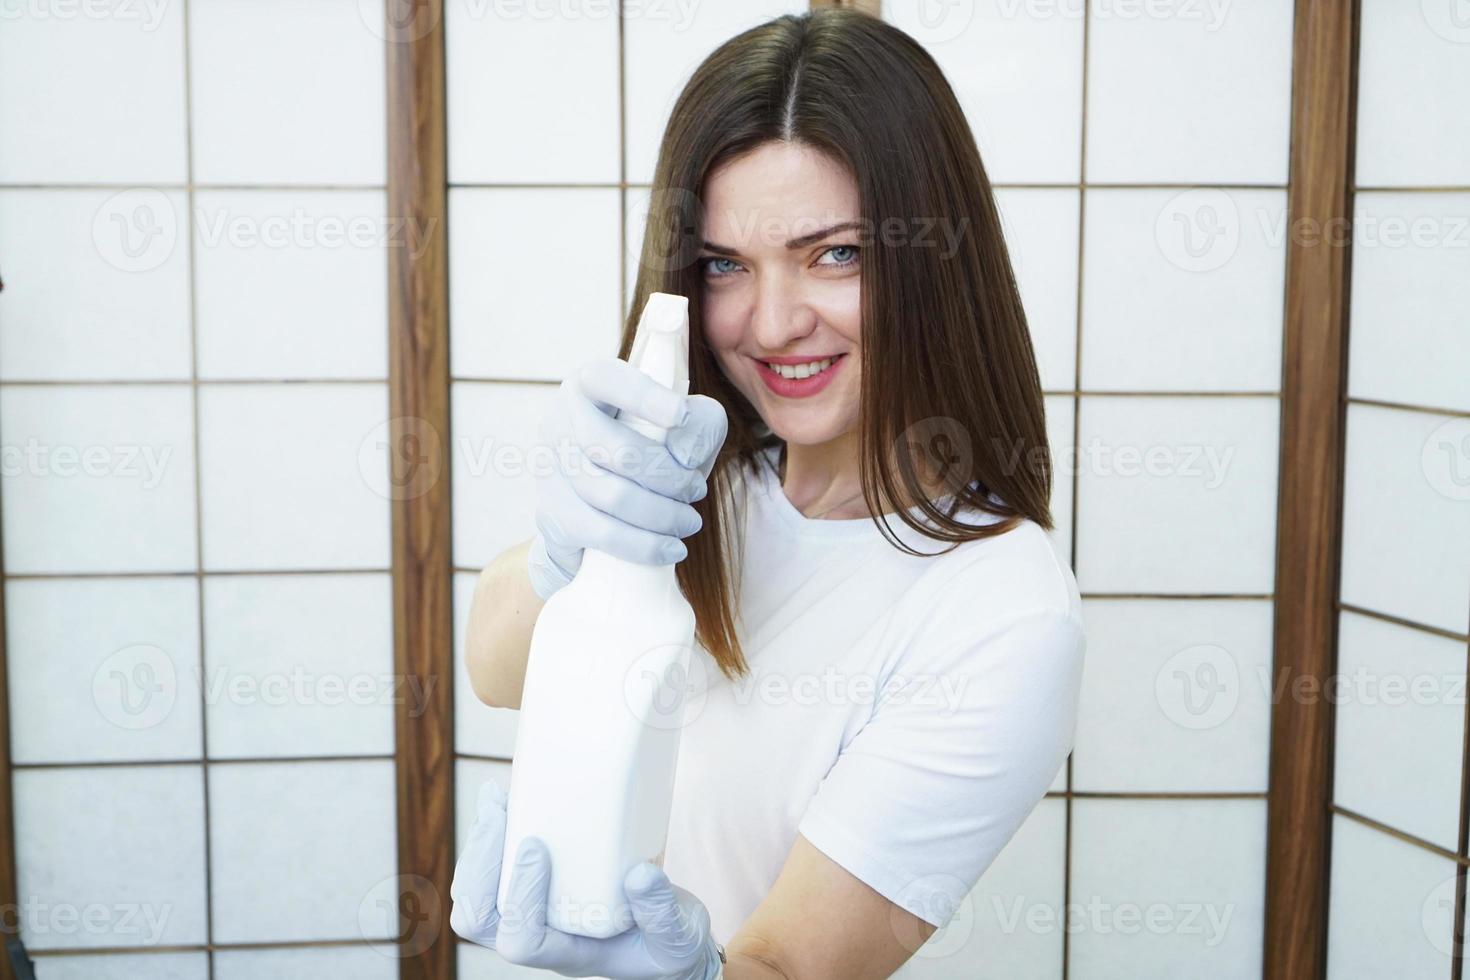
(782,315)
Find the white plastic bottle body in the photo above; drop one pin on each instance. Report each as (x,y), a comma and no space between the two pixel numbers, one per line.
(598,738)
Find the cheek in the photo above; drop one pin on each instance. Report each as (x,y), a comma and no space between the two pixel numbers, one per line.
(841,308)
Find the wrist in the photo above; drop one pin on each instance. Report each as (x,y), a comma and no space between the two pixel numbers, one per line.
(547,577)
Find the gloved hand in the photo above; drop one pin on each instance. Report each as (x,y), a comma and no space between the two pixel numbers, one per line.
(613,488)
(669,940)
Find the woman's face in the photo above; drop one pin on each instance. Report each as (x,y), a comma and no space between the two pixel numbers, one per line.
(781,272)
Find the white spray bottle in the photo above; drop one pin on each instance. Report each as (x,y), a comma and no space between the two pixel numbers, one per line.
(598,736)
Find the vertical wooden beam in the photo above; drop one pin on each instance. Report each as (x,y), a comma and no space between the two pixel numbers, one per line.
(418,384)
(1309,522)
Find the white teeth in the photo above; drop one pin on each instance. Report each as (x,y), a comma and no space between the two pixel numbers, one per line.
(796,371)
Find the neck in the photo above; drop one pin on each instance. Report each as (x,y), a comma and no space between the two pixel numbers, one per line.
(822,480)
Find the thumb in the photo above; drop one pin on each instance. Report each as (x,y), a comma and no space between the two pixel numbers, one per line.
(674,924)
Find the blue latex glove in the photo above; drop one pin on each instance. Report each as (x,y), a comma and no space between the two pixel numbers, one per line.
(670,938)
(612,488)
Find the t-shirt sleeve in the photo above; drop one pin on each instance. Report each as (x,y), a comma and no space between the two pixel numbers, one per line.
(965,738)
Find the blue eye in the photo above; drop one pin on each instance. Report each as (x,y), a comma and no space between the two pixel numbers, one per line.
(841,255)
(720,266)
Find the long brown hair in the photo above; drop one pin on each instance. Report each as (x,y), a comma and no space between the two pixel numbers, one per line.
(946,351)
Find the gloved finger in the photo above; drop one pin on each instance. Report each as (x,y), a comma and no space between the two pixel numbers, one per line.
(632,504)
(697,442)
(675,925)
(615,384)
(592,528)
(476,880)
(617,448)
(525,938)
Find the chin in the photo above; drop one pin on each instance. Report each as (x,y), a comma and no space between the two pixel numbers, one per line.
(809,431)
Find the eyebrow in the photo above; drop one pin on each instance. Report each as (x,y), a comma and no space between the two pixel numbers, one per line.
(800,241)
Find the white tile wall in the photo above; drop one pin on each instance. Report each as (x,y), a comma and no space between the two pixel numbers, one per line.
(478,963)
(288,93)
(301,850)
(662,45)
(479,729)
(1392,907)
(1177,495)
(1400,714)
(533,280)
(300,665)
(1060,434)
(1171,888)
(1405,486)
(1041,229)
(115,855)
(1010,926)
(98,479)
(96,283)
(1176,696)
(129,966)
(562,125)
(290,476)
(1188,93)
(1017,69)
(357,962)
(1412,69)
(495,457)
(1183,290)
(103,670)
(294,284)
(1410,336)
(113,72)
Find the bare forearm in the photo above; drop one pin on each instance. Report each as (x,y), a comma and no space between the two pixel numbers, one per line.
(498,636)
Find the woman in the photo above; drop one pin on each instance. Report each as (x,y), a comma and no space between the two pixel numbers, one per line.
(894,650)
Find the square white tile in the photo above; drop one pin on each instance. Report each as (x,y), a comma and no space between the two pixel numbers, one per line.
(662,45)
(98,478)
(1041,229)
(1392,907)
(1010,926)
(479,729)
(96,285)
(1060,433)
(497,452)
(1189,93)
(300,665)
(293,477)
(124,966)
(1412,75)
(1406,483)
(96,94)
(111,857)
(288,93)
(1172,888)
(1183,290)
(561,61)
(1017,70)
(1176,696)
(103,670)
(1400,715)
(357,962)
(478,963)
(302,851)
(1177,495)
(1409,336)
(513,311)
(294,284)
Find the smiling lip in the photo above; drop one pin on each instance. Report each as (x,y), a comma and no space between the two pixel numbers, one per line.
(798,387)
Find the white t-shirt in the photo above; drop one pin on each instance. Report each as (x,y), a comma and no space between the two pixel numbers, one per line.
(904,714)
